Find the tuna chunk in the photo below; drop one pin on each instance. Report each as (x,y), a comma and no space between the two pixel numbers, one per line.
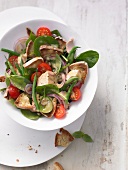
(30,49)
(47,50)
(62,42)
(47,78)
(73,73)
(33,63)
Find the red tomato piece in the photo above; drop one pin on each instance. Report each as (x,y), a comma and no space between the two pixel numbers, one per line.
(14,92)
(33,75)
(43,31)
(60,111)
(76,94)
(13,59)
(43,67)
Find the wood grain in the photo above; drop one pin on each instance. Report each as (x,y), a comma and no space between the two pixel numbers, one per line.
(103,25)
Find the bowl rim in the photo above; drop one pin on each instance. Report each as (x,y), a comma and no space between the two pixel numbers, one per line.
(96,72)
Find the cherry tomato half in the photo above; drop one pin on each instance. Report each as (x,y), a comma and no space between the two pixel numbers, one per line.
(60,111)
(76,94)
(43,31)
(33,75)
(43,67)
(13,59)
(14,92)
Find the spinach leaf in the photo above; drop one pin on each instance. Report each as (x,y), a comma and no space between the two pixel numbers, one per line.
(7,80)
(47,89)
(43,40)
(31,37)
(87,138)
(71,54)
(56,64)
(91,57)
(12,102)
(30,115)
(80,134)
(56,32)
(28,72)
(19,81)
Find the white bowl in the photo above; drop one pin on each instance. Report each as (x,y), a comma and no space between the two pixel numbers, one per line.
(88,90)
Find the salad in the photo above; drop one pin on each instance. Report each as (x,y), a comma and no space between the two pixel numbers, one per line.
(43,74)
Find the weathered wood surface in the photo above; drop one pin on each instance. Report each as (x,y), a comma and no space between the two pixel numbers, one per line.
(103,25)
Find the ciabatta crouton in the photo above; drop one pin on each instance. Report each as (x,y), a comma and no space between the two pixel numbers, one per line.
(23,102)
(63,139)
(57,166)
(2,78)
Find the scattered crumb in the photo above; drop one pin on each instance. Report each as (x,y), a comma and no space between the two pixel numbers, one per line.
(36,151)
(61,155)
(17,160)
(30,147)
(8,134)
(39,145)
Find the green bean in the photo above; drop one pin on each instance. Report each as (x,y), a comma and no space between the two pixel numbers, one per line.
(11,68)
(34,93)
(19,69)
(70,89)
(21,66)
(68,82)
(10,52)
(64,58)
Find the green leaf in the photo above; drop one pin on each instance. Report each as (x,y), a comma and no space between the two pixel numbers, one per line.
(87,138)
(31,37)
(49,88)
(19,81)
(71,54)
(56,64)
(78,134)
(7,80)
(91,57)
(69,82)
(12,101)
(30,115)
(56,32)
(2,90)
(28,72)
(43,40)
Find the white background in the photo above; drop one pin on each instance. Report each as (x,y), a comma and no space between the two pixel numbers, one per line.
(103,25)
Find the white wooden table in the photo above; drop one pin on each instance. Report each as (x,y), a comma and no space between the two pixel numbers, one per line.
(103,25)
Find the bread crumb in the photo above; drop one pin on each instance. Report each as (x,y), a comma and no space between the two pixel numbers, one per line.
(39,145)
(30,147)
(17,160)
(58,166)
(36,151)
